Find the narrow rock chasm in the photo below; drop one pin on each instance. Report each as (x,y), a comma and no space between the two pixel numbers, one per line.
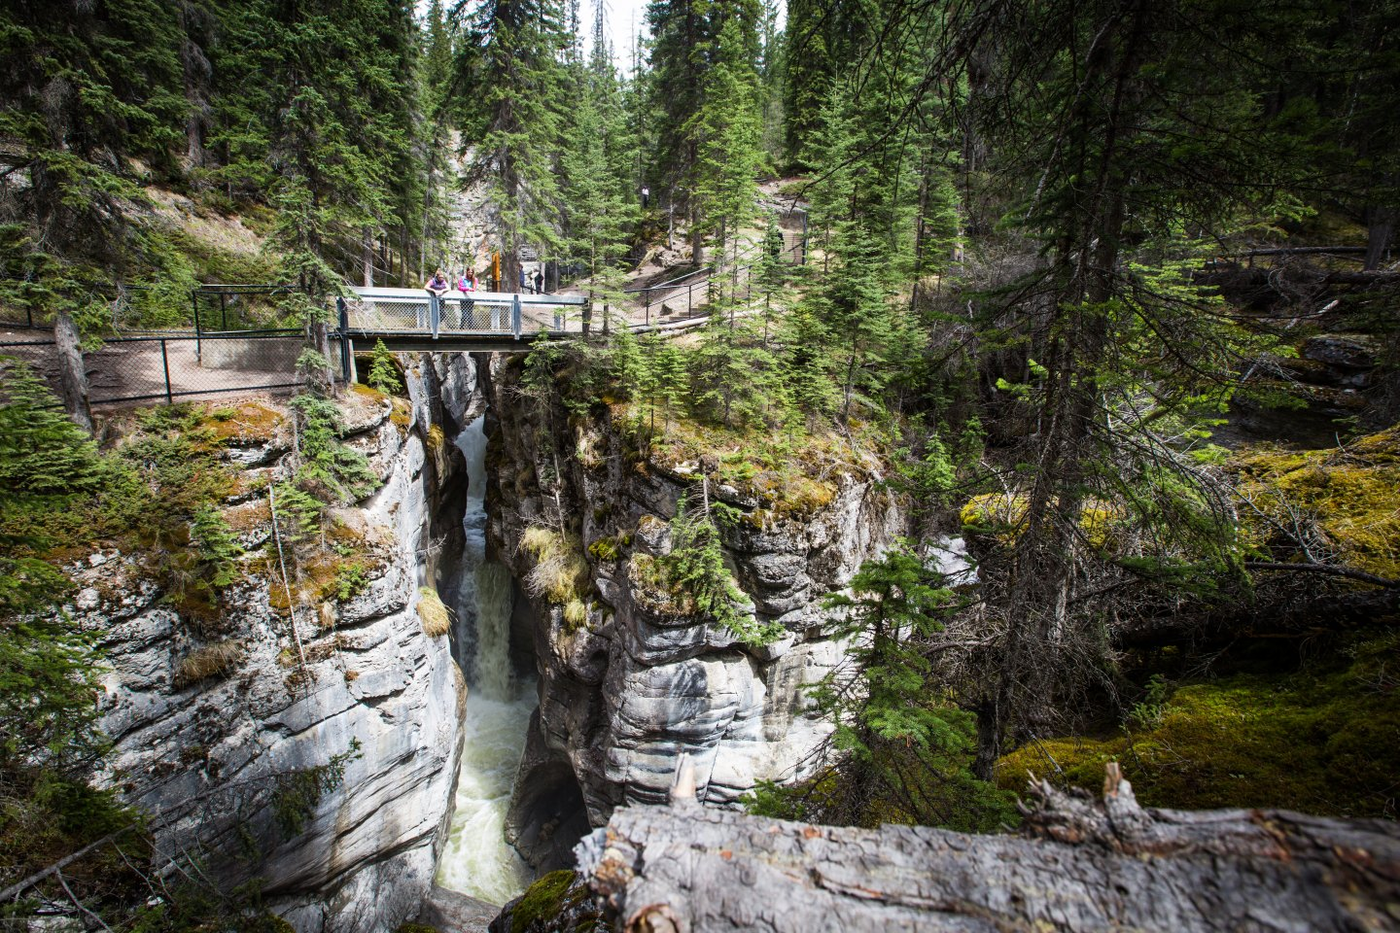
(497,659)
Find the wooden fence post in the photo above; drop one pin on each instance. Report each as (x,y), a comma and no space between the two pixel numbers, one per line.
(72,373)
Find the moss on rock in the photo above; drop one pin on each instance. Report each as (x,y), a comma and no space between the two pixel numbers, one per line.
(554,902)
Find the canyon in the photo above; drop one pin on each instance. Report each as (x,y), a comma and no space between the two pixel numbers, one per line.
(518,731)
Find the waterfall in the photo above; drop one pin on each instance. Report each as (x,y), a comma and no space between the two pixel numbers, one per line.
(477,860)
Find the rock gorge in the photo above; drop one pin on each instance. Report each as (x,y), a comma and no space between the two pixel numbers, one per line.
(624,692)
(360,679)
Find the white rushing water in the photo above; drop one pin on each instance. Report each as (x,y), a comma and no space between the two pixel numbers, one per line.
(477,860)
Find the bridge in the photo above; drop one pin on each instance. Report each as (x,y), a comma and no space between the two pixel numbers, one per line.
(411,319)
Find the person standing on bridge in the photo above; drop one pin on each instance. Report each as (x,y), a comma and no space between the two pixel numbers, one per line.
(437,286)
(466,284)
(539,281)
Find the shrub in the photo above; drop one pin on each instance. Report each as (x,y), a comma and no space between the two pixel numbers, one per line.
(350,580)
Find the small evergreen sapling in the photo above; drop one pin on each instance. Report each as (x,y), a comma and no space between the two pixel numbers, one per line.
(695,567)
(383,373)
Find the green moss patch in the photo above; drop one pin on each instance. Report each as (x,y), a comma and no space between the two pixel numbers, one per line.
(1319,742)
(789,475)
(546,899)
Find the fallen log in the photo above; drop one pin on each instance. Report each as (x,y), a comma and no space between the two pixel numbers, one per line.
(1261,277)
(1077,865)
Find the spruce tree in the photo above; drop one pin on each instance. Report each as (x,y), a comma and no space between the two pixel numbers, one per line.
(41,451)
(727,135)
(515,77)
(87,89)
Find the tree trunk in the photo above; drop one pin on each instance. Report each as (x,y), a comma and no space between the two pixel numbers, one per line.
(71,371)
(367,255)
(1379,230)
(321,343)
(697,240)
(1078,865)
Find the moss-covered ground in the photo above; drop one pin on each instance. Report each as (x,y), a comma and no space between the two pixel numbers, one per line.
(790,474)
(1324,738)
(1347,494)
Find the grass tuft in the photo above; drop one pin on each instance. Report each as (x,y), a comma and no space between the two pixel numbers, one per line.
(433,612)
(207,661)
(560,573)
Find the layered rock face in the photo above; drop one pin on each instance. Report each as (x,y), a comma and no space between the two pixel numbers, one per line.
(633,686)
(210,758)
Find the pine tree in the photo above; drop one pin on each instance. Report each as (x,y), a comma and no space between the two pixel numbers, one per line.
(41,451)
(695,568)
(726,134)
(383,372)
(599,211)
(87,89)
(687,45)
(320,104)
(516,77)
(899,753)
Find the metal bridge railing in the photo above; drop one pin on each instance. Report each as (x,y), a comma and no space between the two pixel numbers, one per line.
(698,288)
(413,311)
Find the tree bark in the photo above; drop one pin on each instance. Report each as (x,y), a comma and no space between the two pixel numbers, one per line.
(367,256)
(320,341)
(1077,865)
(72,372)
(1378,234)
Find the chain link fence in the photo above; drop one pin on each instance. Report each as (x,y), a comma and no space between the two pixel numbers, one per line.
(142,369)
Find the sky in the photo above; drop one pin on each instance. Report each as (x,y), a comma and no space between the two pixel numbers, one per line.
(623,19)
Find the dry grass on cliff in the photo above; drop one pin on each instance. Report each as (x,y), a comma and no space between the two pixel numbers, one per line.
(560,573)
(433,613)
(207,661)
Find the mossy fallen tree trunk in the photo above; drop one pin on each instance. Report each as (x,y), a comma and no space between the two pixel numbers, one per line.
(1077,865)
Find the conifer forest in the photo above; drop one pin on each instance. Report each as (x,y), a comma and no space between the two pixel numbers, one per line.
(955,443)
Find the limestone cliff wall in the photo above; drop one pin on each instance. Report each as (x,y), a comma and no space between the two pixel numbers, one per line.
(205,757)
(629,689)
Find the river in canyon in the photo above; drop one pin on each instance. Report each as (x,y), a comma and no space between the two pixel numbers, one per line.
(477,860)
